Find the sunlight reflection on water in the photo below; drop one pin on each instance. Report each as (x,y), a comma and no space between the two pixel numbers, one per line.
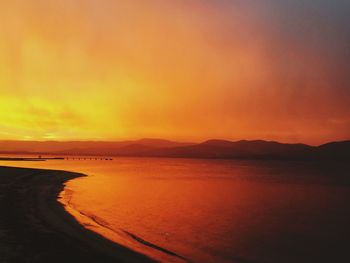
(208,210)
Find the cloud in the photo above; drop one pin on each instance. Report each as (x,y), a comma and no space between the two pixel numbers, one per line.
(189,69)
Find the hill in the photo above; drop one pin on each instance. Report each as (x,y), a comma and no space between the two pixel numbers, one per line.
(255,149)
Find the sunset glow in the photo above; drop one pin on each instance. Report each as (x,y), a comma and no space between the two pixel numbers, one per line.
(183,70)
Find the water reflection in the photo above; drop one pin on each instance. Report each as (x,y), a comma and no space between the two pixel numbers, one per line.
(212,211)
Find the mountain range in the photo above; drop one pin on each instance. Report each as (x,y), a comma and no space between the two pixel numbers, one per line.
(221,149)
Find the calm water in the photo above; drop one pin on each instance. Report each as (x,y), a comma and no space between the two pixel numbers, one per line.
(213,210)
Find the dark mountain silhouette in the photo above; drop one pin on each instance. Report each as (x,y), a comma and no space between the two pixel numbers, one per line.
(160,143)
(334,150)
(257,149)
(84,147)
(239,149)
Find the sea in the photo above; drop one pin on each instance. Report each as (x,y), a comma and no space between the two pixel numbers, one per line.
(200,210)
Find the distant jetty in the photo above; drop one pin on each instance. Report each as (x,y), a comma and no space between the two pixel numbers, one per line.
(32,159)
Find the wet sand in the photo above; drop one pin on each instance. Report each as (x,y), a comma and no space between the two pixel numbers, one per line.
(34,226)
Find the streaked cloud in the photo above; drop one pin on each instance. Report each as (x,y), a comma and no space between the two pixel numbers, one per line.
(185,70)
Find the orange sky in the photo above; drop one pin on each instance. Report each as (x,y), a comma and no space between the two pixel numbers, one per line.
(182,70)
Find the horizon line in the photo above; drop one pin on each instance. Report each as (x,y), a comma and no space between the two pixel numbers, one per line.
(169,140)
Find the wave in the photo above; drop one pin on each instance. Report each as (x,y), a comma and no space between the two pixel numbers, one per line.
(67,196)
(149,244)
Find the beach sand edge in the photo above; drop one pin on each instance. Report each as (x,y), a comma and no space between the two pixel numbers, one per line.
(35,227)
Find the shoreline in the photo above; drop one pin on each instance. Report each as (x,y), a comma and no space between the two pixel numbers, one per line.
(35,227)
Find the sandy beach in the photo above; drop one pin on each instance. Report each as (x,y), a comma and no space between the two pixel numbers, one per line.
(34,226)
